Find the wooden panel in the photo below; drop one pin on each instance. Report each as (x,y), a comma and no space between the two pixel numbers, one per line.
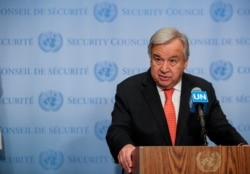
(192,160)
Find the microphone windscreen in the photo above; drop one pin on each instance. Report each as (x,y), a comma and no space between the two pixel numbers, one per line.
(197,97)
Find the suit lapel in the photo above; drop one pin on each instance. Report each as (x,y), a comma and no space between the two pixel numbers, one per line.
(184,108)
(152,97)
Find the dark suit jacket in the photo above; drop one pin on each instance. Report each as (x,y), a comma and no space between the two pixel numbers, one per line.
(138,116)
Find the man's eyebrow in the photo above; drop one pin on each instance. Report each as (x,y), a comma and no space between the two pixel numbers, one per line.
(156,55)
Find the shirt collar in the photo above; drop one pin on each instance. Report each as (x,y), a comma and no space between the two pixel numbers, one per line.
(176,87)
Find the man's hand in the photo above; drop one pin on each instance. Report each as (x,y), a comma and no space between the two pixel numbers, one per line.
(125,157)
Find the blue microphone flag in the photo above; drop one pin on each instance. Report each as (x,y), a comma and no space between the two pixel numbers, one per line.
(198,97)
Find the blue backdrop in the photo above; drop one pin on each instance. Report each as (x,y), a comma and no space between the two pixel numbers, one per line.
(60,62)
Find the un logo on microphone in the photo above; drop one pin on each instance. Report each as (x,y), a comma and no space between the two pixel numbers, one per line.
(50,100)
(50,41)
(105,11)
(51,159)
(105,71)
(221,70)
(221,11)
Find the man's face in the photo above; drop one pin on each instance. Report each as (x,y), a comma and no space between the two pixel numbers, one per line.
(168,63)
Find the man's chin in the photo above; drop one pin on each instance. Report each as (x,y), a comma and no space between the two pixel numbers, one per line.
(164,85)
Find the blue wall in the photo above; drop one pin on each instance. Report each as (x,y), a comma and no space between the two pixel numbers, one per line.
(60,62)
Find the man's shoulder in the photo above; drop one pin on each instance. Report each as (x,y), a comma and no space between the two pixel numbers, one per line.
(196,81)
(135,78)
(194,78)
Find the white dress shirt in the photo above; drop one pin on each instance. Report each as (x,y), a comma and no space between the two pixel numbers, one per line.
(175,98)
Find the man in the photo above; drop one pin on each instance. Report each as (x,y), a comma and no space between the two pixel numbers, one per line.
(138,118)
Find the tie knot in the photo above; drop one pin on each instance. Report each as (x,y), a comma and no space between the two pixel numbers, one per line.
(169,92)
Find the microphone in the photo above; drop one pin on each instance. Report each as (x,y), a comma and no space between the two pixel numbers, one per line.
(198,100)
(198,104)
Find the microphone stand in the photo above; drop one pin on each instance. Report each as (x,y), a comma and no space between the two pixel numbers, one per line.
(202,123)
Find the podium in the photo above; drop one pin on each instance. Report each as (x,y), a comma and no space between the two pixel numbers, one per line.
(191,160)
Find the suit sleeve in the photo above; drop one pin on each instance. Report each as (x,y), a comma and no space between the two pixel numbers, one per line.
(220,131)
(120,131)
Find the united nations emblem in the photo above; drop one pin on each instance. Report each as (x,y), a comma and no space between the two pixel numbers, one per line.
(50,100)
(221,11)
(208,161)
(105,11)
(51,159)
(50,41)
(101,128)
(221,70)
(105,71)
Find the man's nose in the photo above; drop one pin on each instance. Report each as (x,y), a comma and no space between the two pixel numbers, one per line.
(165,66)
